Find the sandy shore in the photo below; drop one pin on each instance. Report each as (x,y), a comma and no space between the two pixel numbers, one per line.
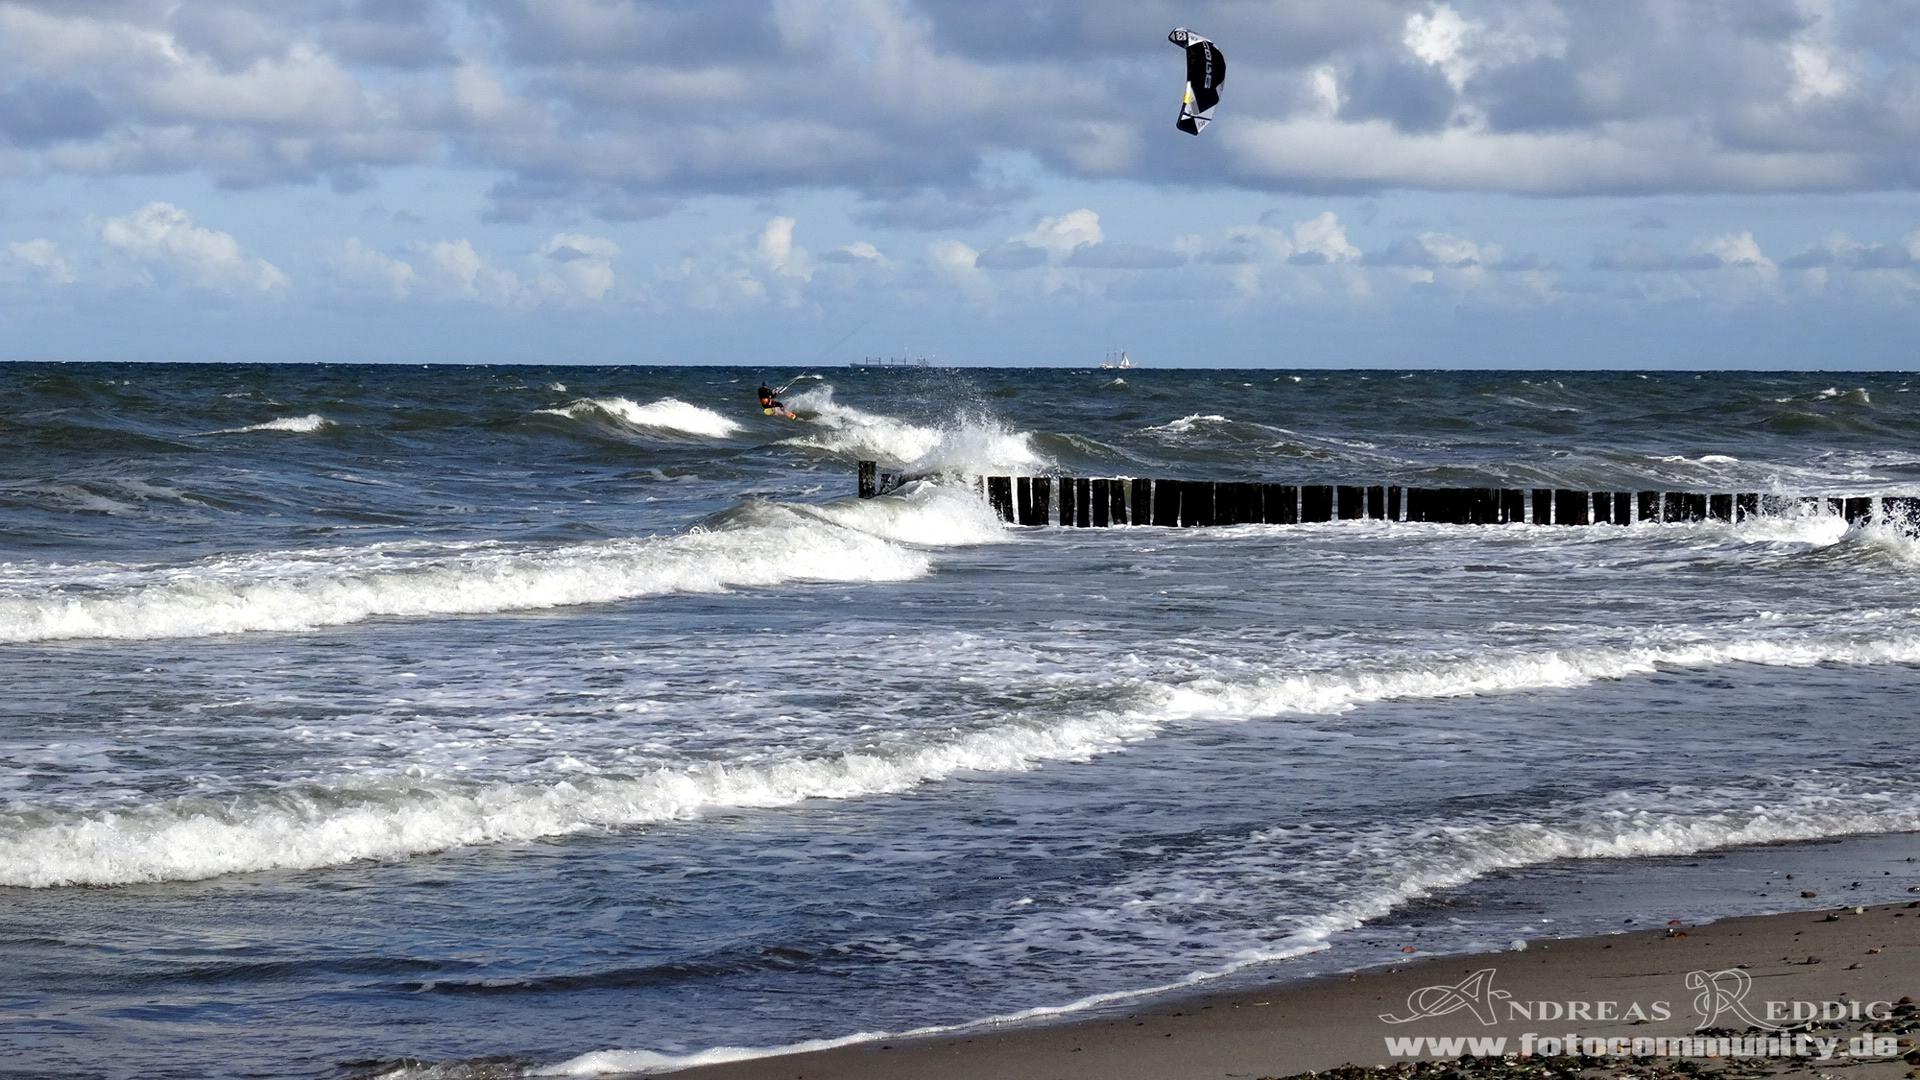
(1848,969)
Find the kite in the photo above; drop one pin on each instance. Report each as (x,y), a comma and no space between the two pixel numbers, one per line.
(1206,70)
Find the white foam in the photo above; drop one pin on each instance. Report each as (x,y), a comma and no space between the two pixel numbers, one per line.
(665,415)
(393,817)
(302,590)
(966,444)
(1495,673)
(1187,424)
(615,1062)
(850,432)
(301,425)
(922,513)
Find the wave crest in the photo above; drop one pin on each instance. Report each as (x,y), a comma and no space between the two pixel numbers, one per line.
(667,415)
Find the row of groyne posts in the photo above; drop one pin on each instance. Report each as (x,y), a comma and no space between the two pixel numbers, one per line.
(1099,502)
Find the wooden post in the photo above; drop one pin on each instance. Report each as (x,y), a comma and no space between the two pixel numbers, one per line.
(1417,502)
(1542,506)
(1685,506)
(869,479)
(1226,508)
(1316,502)
(1102,503)
(1083,502)
(1486,506)
(1570,507)
(1720,508)
(1859,510)
(1166,502)
(1281,505)
(1000,496)
(1023,500)
(1117,502)
(1513,507)
(1377,502)
(1243,503)
(1396,497)
(1141,512)
(1746,505)
(1196,503)
(1042,500)
(1352,502)
(1422,504)
(1649,506)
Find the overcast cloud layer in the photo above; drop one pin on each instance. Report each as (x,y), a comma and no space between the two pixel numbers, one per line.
(818,163)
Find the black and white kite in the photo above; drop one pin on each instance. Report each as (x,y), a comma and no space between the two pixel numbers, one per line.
(1206,70)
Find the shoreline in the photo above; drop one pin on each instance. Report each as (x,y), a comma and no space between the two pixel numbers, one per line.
(1801,964)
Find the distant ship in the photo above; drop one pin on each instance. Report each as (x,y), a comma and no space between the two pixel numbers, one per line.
(1117,361)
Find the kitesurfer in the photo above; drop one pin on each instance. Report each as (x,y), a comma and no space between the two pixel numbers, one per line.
(772,406)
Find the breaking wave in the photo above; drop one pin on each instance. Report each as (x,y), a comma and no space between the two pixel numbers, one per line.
(402,816)
(302,590)
(967,444)
(667,415)
(301,425)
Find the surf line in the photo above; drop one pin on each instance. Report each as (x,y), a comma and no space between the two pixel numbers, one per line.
(1099,502)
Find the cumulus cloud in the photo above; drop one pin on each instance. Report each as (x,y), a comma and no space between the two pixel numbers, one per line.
(459,271)
(163,238)
(1060,235)
(617,108)
(360,264)
(43,260)
(582,266)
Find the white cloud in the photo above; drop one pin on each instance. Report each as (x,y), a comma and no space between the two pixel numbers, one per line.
(42,257)
(1323,235)
(583,266)
(958,264)
(162,236)
(777,253)
(859,252)
(358,262)
(460,271)
(1738,249)
(1060,235)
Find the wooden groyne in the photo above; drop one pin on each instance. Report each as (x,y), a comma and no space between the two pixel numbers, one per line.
(1099,502)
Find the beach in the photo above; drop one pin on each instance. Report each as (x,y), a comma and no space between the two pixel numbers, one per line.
(1829,978)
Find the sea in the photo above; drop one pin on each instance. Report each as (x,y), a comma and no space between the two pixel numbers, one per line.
(443,721)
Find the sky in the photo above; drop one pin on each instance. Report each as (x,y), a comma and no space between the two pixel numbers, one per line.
(1387,183)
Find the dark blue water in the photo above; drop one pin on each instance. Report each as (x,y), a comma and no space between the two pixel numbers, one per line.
(573,719)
